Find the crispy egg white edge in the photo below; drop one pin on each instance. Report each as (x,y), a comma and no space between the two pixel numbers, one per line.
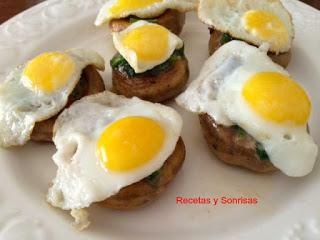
(208,15)
(153,10)
(81,189)
(12,134)
(130,55)
(205,95)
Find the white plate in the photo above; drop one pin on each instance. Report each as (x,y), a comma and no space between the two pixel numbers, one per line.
(287,209)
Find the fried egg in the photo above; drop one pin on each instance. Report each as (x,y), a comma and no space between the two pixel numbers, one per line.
(253,21)
(116,9)
(145,45)
(38,90)
(106,142)
(240,85)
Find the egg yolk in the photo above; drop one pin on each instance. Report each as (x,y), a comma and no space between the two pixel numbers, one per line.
(123,5)
(277,98)
(149,42)
(49,72)
(130,143)
(266,26)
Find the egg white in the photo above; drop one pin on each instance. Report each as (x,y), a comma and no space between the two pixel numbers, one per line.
(130,55)
(226,16)
(151,11)
(81,179)
(21,106)
(218,92)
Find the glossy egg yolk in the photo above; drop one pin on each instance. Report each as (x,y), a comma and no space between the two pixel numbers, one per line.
(125,5)
(277,98)
(49,72)
(130,143)
(150,42)
(266,26)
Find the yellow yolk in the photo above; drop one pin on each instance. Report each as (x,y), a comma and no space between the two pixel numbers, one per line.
(124,5)
(266,26)
(49,72)
(130,143)
(277,98)
(150,42)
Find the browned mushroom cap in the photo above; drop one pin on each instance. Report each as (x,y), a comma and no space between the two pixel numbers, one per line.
(228,147)
(283,59)
(170,19)
(167,85)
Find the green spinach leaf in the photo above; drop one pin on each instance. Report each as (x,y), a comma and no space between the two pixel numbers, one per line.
(118,62)
(153,179)
(225,38)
